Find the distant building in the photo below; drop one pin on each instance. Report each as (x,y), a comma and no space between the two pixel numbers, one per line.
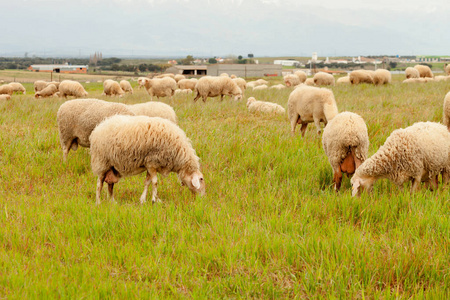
(241,70)
(287,63)
(193,70)
(66,68)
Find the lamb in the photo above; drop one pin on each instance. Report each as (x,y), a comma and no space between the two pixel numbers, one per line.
(18,87)
(141,82)
(424,71)
(5,97)
(322,78)
(187,83)
(265,107)
(447,110)
(112,88)
(77,118)
(291,80)
(361,76)
(309,81)
(417,153)
(125,85)
(71,88)
(412,73)
(343,80)
(278,86)
(179,77)
(6,89)
(128,145)
(346,144)
(154,109)
(49,91)
(260,87)
(382,76)
(241,83)
(161,87)
(310,104)
(210,86)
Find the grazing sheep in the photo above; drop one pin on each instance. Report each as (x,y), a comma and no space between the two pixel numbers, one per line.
(278,86)
(361,76)
(125,85)
(447,69)
(309,81)
(166,75)
(261,82)
(5,97)
(291,80)
(154,109)
(260,87)
(424,71)
(241,83)
(417,153)
(415,80)
(224,75)
(77,118)
(301,75)
(343,80)
(441,78)
(112,88)
(141,82)
(184,91)
(346,144)
(310,104)
(161,87)
(411,73)
(39,85)
(447,110)
(187,84)
(210,86)
(49,91)
(382,76)
(179,77)
(18,87)
(265,107)
(6,89)
(323,78)
(128,145)
(71,88)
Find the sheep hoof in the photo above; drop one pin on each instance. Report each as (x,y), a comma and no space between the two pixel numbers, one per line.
(156,200)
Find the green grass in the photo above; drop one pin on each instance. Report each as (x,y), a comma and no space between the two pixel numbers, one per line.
(270,226)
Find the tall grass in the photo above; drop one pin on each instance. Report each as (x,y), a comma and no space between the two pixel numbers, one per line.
(270,226)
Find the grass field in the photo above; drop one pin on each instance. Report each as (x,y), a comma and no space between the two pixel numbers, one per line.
(270,225)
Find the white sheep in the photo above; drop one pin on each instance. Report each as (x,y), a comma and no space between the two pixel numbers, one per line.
(232,76)
(308,104)
(141,82)
(411,73)
(416,80)
(265,107)
(322,78)
(183,91)
(382,76)
(447,69)
(447,110)
(224,75)
(154,109)
(210,86)
(128,145)
(77,118)
(5,97)
(6,89)
(261,82)
(18,87)
(49,91)
(161,87)
(346,144)
(309,81)
(71,88)
(343,80)
(125,85)
(441,78)
(185,84)
(179,77)
(291,80)
(278,86)
(301,75)
(39,85)
(260,87)
(417,153)
(112,88)
(424,71)
(170,75)
(361,76)
(241,83)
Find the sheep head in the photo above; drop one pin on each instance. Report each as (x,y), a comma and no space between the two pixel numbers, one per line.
(194,181)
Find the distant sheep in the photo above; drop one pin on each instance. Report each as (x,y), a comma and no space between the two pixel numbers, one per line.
(310,104)
(447,110)
(141,82)
(179,77)
(323,78)
(260,87)
(166,75)
(71,88)
(6,89)
(126,86)
(411,73)
(361,76)
(417,153)
(261,82)
(48,91)
(301,75)
(187,83)
(5,97)
(265,107)
(346,144)
(241,83)
(161,87)
(184,91)
(441,78)
(424,71)
(18,87)
(128,145)
(415,80)
(210,86)
(39,85)
(343,80)
(291,80)
(112,88)
(154,109)
(382,76)
(309,81)
(224,75)
(278,86)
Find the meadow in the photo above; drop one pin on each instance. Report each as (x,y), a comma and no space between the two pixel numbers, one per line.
(269,226)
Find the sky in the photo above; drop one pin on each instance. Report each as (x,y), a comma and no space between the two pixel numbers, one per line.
(208,28)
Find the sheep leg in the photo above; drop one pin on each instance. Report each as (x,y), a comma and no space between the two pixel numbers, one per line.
(111,192)
(415,186)
(221,97)
(294,122)
(337,179)
(100,180)
(204,98)
(196,97)
(445,177)
(317,123)
(303,128)
(151,178)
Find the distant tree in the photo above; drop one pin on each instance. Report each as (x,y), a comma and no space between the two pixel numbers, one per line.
(212,61)
(240,57)
(250,55)
(189,60)
(392,64)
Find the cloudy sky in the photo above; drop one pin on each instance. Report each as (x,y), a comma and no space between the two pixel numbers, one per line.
(224,27)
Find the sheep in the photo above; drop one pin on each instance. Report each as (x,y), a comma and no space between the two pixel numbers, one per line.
(323,78)
(39,85)
(260,87)
(265,107)
(161,87)
(415,80)
(71,88)
(187,83)
(141,82)
(18,87)
(210,86)
(278,86)
(5,97)
(309,81)
(241,83)
(441,78)
(308,104)
(125,85)
(417,153)
(77,118)
(424,71)
(224,75)
(261,82)
(291,80)
(346,143)
(411,73)
(447,69)
(361,76)
(382,76)
(154,109)
(301,75)
(183,91)
(343,80)
(232,76)
(179,77)
(166,75)
(6,89)
(112,88)
(48,91)
(128,145)
(447,110)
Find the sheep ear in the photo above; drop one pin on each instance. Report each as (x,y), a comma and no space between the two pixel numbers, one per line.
(355,188)
(196,181)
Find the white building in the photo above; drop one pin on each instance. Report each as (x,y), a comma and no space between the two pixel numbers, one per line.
(287,63)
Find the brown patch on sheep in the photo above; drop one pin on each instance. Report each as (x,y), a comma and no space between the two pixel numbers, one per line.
(112,176)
